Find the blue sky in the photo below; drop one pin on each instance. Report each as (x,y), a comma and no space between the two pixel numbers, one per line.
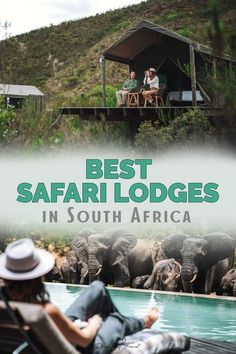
(26,15)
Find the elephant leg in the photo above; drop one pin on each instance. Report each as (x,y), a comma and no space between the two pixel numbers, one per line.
(150,281)
(209,280)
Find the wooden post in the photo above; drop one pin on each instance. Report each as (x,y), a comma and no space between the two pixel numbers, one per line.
(193,75)
(103,64)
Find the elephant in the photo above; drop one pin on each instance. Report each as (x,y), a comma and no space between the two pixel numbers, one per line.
(158,252)
(70,269)
(115,256)
(199,258)
(165,276)
(228,282)
(139,281)
(54,275)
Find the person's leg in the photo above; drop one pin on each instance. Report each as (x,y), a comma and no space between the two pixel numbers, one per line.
(149,94)
(119,98)
(124,97)
(93,300)
(114,328)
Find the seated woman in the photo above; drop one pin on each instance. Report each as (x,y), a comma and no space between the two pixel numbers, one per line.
(22,267)
(152,80)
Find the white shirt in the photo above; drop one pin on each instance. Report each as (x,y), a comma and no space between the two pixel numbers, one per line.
(153,83)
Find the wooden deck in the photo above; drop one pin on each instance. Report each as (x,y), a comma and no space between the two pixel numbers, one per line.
(135,113)
(133,116)
(204,346)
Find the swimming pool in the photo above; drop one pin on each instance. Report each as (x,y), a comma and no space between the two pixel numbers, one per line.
(200,317)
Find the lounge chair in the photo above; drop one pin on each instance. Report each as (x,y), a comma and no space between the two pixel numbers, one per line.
(27,329)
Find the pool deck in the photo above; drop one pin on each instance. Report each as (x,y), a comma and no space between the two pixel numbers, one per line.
(198,345)
(203,346)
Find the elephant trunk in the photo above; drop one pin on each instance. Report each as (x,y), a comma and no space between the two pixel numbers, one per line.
(95,268)
(188,273)
(83,273)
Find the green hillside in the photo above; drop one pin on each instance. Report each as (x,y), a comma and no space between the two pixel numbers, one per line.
(64,59)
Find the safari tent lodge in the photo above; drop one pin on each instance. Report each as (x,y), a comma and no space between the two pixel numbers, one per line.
(179,61)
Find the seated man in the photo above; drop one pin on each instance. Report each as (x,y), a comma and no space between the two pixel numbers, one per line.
(130,85)
(152,80)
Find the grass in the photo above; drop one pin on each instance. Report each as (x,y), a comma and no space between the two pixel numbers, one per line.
(64,59)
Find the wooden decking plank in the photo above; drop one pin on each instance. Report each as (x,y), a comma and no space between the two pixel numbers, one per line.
(201,346)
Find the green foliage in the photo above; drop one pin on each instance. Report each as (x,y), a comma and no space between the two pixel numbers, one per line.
(29,58)
(172,16)
(71,81)
(221,82)
(191,127)
(7,120)
(186,32)
(64,61)
(149,137)
(216,29)
(101,133)
(55,241)
(110,95)
(93,98)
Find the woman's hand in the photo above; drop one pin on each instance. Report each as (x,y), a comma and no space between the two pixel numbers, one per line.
(95,321)
(70,330)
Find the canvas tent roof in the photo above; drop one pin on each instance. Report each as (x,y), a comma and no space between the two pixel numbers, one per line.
(19,90)
(142,36)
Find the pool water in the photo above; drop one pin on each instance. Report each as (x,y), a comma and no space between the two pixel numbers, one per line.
(194,316)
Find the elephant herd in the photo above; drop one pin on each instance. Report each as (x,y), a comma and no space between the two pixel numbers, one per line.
(179,263)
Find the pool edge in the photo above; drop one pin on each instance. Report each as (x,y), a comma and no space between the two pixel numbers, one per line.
(212,297)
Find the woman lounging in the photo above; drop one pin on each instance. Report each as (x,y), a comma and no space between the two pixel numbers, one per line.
(22,267)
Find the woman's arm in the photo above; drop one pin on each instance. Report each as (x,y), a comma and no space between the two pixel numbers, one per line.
(71,331)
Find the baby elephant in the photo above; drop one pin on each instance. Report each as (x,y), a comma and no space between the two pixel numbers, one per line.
(139,282)
(228,282)
(165,276)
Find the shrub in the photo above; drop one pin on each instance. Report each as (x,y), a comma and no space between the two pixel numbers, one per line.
(7,119)
(71,81)
(191,127)
(149,137)
(172,16)
(97,133)
(110,95)
(185,32)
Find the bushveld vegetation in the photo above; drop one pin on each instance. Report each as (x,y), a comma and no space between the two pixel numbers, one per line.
(64,62)
(65,58)
(189,129)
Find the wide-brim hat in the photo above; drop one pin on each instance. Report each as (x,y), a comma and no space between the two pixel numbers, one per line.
(23,261)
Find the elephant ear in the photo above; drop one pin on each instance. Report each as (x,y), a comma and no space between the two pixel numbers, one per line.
(79,244)
(124,235)
(102,238)
(219,246)
(122,241)
(173,244)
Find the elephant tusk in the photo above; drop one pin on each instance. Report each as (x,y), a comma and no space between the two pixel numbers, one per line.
(85,275)
(194,278)
(177,276)
(98,272)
